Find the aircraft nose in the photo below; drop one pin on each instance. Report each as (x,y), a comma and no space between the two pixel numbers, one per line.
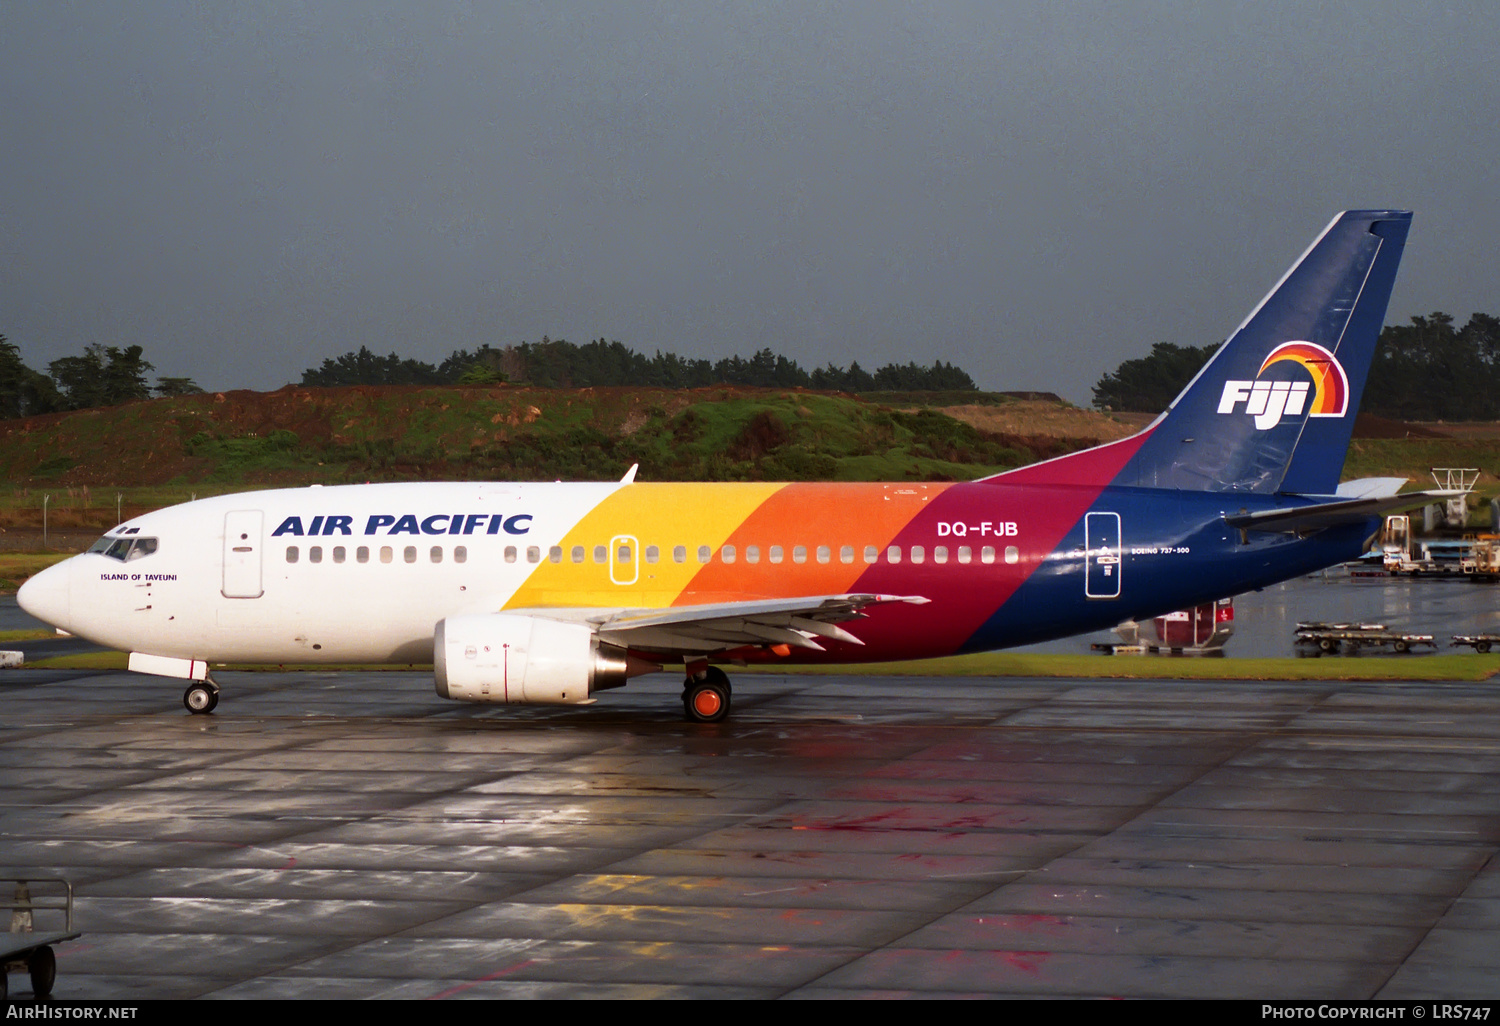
(47,597)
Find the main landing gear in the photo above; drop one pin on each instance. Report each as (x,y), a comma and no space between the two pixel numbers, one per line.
(201,696)
(705,695)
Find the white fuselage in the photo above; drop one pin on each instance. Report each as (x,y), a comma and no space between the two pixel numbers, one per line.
(245,578)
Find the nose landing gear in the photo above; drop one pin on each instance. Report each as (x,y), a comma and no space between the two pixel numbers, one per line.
(201,697)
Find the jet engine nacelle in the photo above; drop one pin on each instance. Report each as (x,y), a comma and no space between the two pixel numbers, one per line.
(505,657)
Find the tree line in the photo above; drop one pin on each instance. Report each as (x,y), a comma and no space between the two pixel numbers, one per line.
(109,375)
(563,364)
(101,376)
(1430,369)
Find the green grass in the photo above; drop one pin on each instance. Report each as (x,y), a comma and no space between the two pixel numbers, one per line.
(1415,457)
(100,503)
(16,567)
(1461,666)
(1454,667)
(83,661)
(25,635)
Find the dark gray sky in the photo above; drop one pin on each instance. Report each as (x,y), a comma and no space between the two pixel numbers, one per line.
(1032,191)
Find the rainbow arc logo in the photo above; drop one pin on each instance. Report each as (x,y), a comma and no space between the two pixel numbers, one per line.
(1270,399)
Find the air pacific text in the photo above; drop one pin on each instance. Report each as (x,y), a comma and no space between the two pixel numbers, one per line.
(407,523)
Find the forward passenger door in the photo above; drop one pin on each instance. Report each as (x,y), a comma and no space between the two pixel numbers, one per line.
(242,554)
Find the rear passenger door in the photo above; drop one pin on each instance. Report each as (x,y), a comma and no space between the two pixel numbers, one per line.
(1102,576)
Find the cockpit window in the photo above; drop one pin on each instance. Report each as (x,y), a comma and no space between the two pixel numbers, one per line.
(124,549)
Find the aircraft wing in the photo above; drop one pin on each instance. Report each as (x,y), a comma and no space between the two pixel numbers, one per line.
(720,626)
(1299,519)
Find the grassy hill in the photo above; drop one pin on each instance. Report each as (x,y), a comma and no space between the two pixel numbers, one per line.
(304,435)
(93,465)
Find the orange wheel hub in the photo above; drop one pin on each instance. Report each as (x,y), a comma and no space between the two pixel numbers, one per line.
(707,702)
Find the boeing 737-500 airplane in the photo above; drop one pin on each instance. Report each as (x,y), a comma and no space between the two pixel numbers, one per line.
(535,592)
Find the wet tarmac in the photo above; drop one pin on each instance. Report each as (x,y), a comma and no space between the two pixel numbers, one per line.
(353,835)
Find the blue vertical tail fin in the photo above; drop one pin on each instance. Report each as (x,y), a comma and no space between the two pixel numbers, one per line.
(1274,408)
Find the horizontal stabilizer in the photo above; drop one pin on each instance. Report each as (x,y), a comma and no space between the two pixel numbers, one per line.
(1300,519)
(1370,487)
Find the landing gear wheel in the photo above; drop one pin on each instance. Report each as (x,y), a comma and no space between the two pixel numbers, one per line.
(1481,646)
(1328,645)
(704,701)
(706,696)
(43,968)
(1402,646)
(201,697)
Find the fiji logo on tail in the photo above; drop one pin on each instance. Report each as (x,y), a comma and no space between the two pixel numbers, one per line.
(1268,401)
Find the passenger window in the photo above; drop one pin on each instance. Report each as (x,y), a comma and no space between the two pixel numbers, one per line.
(893,554)
(533,554)
(291,553)
(846,554)
(386,554)
(410,554)
(623,556)
(601,554)
(315,554)
(799,554)
(918,554)
(1012,554)
(679,553)
(752,553)
(987,554)
(510,553)
(704,553)
(652,553)
(776,553)
(940,554)
(362,554)
(578,553)
(965,554)
(872,554)
(727,553)
(461,554)
(554,554)
(436,554)
(338,553)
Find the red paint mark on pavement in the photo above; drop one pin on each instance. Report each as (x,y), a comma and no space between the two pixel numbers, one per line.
(1025,961)
(497,974)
